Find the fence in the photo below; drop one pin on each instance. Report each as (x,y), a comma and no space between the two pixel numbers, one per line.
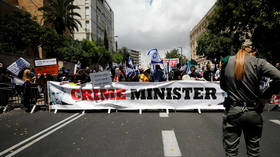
(11,96)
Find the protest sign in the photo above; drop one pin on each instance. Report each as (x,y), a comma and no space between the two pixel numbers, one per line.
(172,62)
(46,66)
(18,65)
(101,79)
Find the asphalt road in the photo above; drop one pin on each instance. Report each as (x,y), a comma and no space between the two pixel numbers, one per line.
(123,134)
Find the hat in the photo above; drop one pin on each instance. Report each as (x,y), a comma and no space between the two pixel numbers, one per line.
(145,69)
(247,43)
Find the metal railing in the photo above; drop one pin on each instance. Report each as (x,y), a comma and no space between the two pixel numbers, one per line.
(12,96)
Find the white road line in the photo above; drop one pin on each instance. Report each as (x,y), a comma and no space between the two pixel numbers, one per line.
(276,121)
(170,144)
(34,136)
(161,114)
(43,136)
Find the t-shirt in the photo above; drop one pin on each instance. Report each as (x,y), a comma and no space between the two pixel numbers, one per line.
(207,75)
(177,73)
(144,78)
(195,75)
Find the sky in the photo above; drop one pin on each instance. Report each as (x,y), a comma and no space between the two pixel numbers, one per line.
(163,24)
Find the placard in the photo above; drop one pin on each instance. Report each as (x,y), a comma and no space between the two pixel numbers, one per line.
(101,78)
(18,65)
(46,66)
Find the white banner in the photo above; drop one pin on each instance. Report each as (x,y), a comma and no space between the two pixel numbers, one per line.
(18,65)
(45,62)
(136,95)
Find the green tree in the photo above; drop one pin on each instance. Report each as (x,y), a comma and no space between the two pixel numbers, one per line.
(125,54)
(238,20)
(213,47)
(18,32)
(51,41)
(92,49)
(117,57)
(60,15)
(172,54)
(175,54)
(72,51)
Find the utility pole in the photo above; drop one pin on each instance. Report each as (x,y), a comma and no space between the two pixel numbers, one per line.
(116,43)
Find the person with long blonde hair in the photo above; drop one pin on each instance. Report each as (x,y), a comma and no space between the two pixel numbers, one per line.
(240,78)
(27,78)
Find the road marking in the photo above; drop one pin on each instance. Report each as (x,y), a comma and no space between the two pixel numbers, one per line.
(162,114)
(43,136)
(276,121)
(34,136)
(170,144)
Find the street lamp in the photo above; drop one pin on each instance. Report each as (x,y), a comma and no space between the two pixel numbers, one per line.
(116,43)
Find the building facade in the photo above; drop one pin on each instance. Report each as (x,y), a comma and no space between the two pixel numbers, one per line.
(97,18)
(195,33)
(135,56)
(32,7)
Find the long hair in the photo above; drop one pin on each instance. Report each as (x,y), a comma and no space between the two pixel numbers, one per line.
(26,75)
(239,65)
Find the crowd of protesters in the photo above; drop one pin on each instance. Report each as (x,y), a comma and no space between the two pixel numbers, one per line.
(118,73)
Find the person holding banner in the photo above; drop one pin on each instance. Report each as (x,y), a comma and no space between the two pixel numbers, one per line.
(240,77)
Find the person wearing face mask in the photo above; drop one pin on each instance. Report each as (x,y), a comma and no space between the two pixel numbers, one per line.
(194,75)
(209,73)
(240,77)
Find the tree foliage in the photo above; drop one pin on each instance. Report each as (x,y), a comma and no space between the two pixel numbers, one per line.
(60,15)
(117,58)
(124,52)
(213,46)
(238,20)
(18,32)
(175,54)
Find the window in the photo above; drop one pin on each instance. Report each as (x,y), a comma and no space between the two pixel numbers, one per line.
(87,26)
(87,12)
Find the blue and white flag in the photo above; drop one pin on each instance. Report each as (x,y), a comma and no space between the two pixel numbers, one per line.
(155,56)
(186,68)
(129,71)
(130,62)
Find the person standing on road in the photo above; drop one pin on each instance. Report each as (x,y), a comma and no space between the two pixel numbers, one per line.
(240,78)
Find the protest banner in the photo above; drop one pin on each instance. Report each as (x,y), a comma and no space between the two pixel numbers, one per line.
(172,62)
(46,66)
(18,66)
(137,95)
(101,79)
